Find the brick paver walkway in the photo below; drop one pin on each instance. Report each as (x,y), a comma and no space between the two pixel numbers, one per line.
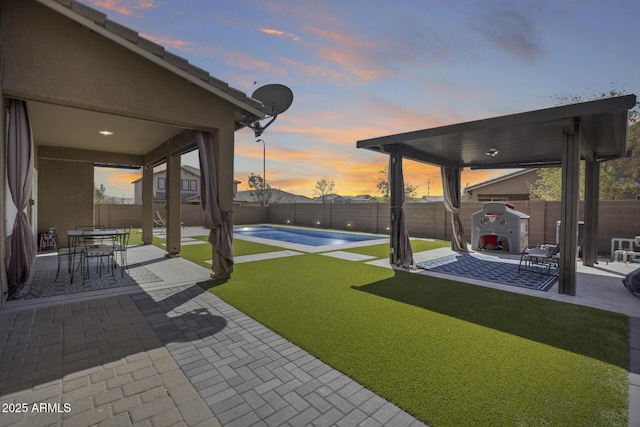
(178,356)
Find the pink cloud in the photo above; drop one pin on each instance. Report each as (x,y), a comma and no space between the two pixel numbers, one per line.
(279,33)
(124,7)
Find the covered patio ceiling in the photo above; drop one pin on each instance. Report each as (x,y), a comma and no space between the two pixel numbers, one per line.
(527,139)
(74,128)
(594,131)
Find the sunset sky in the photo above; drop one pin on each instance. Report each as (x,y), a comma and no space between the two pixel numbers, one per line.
(363,69)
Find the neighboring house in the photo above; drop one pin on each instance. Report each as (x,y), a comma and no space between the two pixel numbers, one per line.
(244,198)
(189,185)
(344,200)
(429,199)
(514,186)
(362,198)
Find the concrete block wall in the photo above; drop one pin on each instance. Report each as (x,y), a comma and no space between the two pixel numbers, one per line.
(618,218)
(250,215)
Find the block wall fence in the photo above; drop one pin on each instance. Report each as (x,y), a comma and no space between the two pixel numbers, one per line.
(618,218)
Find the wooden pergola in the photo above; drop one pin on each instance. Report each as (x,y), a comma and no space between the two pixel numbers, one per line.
(594,131)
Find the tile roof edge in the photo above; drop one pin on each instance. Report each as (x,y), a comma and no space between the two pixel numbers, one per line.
(98,22)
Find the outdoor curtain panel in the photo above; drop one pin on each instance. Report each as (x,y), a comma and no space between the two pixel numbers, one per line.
(20,178)
(218,221)
(451,190)
(404,251)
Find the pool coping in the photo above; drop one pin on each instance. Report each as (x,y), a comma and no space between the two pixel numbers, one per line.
(311,249)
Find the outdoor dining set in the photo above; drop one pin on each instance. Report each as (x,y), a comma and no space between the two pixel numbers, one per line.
(89,247)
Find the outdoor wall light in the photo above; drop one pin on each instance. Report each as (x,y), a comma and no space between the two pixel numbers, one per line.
(317,222)
(492,152)
(105,132)
(288,222)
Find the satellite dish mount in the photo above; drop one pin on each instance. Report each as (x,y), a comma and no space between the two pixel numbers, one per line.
(277,98)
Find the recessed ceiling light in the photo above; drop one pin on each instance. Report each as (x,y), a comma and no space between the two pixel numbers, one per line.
(492,152)
(105,133)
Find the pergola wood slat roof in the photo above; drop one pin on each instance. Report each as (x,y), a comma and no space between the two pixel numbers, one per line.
(527,139)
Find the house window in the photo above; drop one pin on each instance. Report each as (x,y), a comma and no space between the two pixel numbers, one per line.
(162,184)
(193,185)
(185,185)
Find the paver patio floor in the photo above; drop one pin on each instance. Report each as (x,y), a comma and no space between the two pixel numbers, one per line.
(172,356)
(170,353)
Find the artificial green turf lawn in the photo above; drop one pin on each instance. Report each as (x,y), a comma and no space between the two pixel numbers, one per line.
(382,251)
(201,253)
(450,353)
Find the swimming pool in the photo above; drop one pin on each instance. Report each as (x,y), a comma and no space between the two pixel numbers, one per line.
(302,236)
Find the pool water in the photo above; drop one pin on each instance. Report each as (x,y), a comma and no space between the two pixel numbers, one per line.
(301,235)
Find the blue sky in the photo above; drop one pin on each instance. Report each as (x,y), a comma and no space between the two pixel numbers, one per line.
(363,69)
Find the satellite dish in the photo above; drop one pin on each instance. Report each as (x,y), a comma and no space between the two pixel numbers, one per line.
(277,98)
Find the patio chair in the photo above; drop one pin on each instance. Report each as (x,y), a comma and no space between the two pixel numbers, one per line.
(542,258)
(120,247)
(68,252)
(161,222)
(93,241)
(104,250)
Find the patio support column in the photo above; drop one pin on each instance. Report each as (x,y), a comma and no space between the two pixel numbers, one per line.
(147,205)
(591,213)
(569,207)
(396,192)
(173,200)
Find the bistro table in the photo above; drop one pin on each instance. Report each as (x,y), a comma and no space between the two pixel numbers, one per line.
(77,239)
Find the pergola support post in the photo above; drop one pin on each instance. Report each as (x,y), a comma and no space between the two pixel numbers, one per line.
(591,209)
(173,200)
(396,191)
(147,205)
(569,207)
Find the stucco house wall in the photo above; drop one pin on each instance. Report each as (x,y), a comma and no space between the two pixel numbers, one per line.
(510,188)
(64,209)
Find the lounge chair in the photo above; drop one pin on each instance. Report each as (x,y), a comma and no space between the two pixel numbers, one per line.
(541,258)
(159,222)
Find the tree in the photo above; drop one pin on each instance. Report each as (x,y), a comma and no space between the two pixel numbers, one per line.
(618,178)
(259,189)
(323,188)
(98,194)
(410,191)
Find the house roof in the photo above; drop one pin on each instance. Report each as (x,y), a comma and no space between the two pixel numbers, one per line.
(529,139)
(499,179)
(130,39)
(277,196)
